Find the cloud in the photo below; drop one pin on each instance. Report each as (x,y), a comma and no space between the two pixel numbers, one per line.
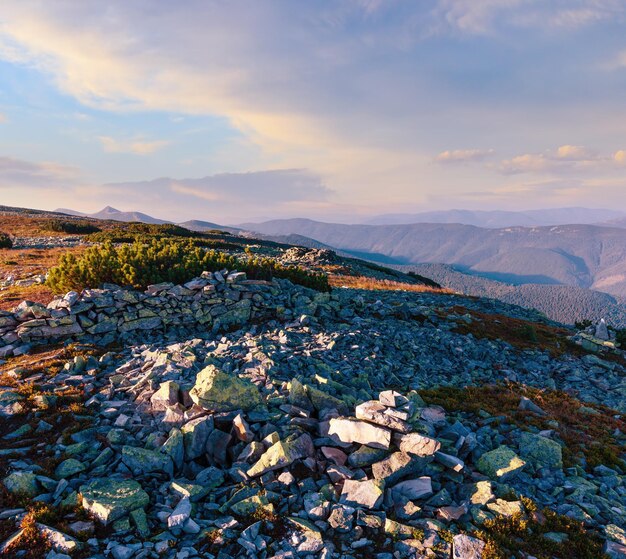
(20,174)
(463,155)
(137,146)
(268,187)
(574,153)
(487,16)
(564,158)
(3,118)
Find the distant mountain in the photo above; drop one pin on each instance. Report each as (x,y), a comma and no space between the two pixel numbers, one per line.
(202,226)
(497,219)
(618,222)
(70,212)
(585,256)
(116,215)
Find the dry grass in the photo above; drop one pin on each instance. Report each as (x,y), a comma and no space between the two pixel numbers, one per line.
(14,295)
(373,284)
(24,262)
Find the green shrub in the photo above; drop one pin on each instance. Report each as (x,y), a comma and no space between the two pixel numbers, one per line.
(72,227)
(5,240)
(141,264)
(528,332)
(582,324)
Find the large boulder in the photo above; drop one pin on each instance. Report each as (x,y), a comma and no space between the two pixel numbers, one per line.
(366,494)
(349,430)
(218,391)
(500,464)
(22,483)
(540,451)
(144,461)
(107,500)
(282,454)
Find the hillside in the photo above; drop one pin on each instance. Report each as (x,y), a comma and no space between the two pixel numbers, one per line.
(564,304)
(239,415)
(584,256)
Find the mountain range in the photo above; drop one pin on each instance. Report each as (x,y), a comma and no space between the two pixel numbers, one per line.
(568,271)
(116,215)
(587,256)
(499,218)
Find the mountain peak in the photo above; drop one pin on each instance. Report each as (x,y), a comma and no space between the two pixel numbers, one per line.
(109,210)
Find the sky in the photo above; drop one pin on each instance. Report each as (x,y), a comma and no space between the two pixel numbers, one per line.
(234,111)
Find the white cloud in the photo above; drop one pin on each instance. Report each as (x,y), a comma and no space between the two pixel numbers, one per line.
(487,16)
(463,155)
(564,158)
(574,153)
(136,146)
(3,118)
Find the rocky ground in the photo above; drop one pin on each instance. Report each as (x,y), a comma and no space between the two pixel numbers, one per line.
(386,425)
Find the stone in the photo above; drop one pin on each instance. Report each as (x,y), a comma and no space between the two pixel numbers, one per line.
(218,391)
(165,396)
(540,451)
(298,395)
(242,429)
(602,332)
(481,493)
(69,468)
(526,404)
(108,500)
(180,514)
(368,493)
(312,541)
(392,398)
(396,466)
(419,488)
(377,413)
(506,508)
(417,444)
(216,447)
(174,447)
(354,431)
(449,461)
(10,403)
(500,464)
(144,461)
(195,435)
(58,540)
(467,547)
(365,456)
(282,454)
(22,483)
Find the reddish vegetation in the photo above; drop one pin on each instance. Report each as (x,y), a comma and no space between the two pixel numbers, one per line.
(591,439)
(362,282)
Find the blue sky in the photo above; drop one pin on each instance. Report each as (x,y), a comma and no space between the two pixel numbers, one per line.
(330,110)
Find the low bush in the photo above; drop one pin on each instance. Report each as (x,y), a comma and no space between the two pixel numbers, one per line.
(141,264)
(72,227)
(5,240)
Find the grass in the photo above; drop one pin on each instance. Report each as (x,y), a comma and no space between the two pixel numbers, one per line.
(590,442)
(373,284)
